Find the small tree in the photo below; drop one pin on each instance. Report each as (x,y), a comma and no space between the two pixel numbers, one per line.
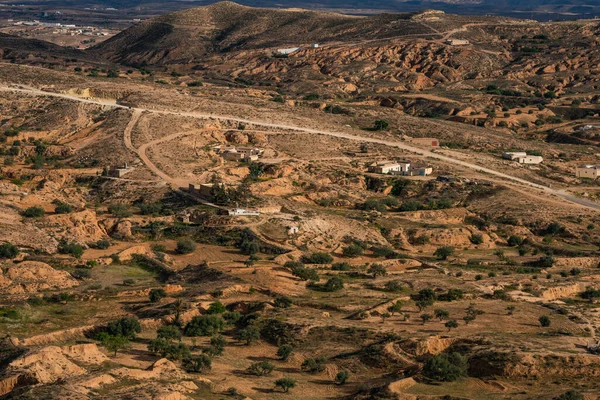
(8,250)
(353,250)
(33,212)
(126,327)
(199,363)
(113,343)
(261,368)
(342,377)
(377,270)
(63,208)
(396,307)
(185,246)
(156,294)
(468,319)
(282,302)
(544,321)
(451,324)
(204,325)
(426,318)
(445,367)
(334,284)
(380,125)
(515,240)
(249,335)
(285,351)
(442,253)
(511,309)
(285,384)
(169,332)
(441,314)
(216,308)
(313,364)
(384,316)
(217,346)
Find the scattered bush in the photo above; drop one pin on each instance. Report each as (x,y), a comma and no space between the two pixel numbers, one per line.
(442,253)
(334,284)
(126,327)
(285,384)
(314,364)
(33,212)
(261,368)
(156,294)
(199,363)
(185,246)
(8,250)
(445,367)
(544,321)
(204,325)
(317,258)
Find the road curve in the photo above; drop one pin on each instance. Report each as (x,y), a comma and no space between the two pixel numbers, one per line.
(401,145)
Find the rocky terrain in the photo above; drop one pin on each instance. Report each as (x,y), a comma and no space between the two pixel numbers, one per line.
(478,281)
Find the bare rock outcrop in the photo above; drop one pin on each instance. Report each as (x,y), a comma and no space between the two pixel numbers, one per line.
(34,277)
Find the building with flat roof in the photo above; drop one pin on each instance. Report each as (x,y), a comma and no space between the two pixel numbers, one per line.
(587,171)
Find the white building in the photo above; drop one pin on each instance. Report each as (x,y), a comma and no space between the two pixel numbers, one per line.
(387,167)
(288,51)
(587,171)
(522,157)
(241,211)
(457,42)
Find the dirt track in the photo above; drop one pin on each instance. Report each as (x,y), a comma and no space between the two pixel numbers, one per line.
(427,153)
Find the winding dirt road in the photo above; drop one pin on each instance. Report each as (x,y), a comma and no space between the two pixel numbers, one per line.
(141,152)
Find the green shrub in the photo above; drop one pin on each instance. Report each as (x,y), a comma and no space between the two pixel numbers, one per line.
(169,332)
(285,384)
(313,364)
(334,284)
(261,368)
(445,367)
(199,363)
(119,210)
(342,377)
(317,258)
(544,321)
(185,246)
(126,327)
(285,351)
(352,250)
(216,308)
(8,250)
(249,335)
(63,208)
(340,266)
(442,253)
(33,212)
(282,302)
(204,325)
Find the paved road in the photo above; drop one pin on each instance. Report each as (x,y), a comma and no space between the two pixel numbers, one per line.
(391,143)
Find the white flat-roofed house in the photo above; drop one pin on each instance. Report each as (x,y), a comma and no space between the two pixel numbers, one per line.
(288,50)
(457,42)
(388,167)
(587,171)
(530,159)
(241,211)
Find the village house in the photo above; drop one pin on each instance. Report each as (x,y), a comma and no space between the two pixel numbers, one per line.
(387,167)
(404,168)
(118,172)
(587,171)
(246,154)
(522,157)
(203,190)
(457,42)
(242,212)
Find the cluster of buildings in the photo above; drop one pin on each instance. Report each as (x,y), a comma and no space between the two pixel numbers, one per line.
(522,157)
(68,29)
(243,154)
(404,168)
